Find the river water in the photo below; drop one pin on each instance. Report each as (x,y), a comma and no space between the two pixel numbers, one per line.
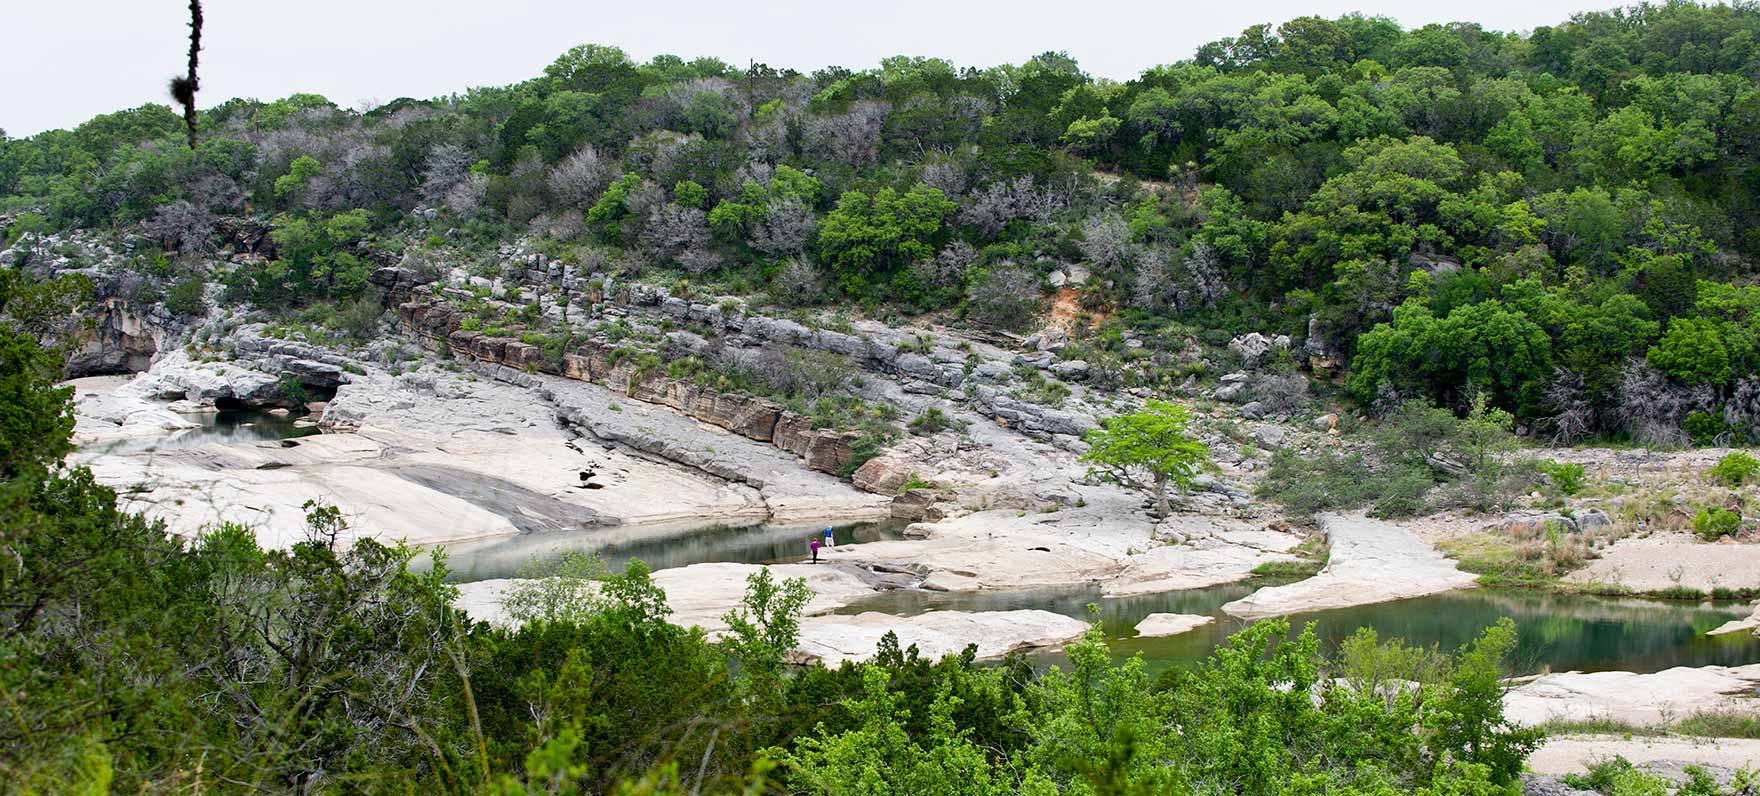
(1558,632)
(222,426)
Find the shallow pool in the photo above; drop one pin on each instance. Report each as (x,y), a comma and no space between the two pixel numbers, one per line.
(1558,632)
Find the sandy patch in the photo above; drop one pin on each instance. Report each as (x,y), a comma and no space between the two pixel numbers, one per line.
(1664,561)
(1573,754)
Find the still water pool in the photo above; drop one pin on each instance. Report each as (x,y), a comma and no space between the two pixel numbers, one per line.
(1558,632)
(223,426)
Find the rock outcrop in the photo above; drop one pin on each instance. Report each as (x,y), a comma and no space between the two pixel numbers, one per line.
(825,450)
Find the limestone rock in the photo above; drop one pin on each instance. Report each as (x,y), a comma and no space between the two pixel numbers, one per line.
(1156,625)
(1534,523)
(1072,370)
(883,475)
(917,505)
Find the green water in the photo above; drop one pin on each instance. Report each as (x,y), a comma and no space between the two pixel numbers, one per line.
(659,548)
(1559,632)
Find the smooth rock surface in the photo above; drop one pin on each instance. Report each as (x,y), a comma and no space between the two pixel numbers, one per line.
(1638,699)
(1371,561)
(833,639)
(1156,625)
(1751,624)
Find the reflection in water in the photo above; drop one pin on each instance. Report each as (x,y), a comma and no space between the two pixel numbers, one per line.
(660,547)
(1557,631)
(223,426)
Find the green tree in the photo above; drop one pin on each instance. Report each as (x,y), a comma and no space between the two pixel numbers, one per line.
(866,238)
(1149,449)
(1693,351)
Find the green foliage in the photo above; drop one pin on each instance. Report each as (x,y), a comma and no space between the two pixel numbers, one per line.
(1734,469)
(1567,477)
(1693,351)
(1713,523)
(931,421)
(867,238)
(766,625)
(185,298)
(1149,449)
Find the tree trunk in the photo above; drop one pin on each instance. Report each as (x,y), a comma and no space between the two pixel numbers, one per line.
(1162,509)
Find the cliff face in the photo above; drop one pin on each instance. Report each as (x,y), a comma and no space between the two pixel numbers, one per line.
(437,325)
(120,338)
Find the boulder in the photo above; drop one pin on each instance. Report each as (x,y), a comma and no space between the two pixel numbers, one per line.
(917,505)
(991,370)
(1269,436)
(883,475)
(1326,422)
(1254,410)
(1253,346)
(1232,392)
(1590,519)
(1072,370)
(1534,523)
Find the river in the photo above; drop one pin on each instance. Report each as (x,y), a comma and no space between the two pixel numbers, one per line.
(1558,632)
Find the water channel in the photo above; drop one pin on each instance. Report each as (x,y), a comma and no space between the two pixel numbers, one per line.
(1558,632)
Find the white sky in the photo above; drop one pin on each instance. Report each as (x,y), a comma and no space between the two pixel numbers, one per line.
(64,61)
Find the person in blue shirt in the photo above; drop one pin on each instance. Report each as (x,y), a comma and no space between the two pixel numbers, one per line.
(829,542)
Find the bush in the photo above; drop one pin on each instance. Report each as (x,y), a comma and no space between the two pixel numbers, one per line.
(1715,523)
(1568,477)
(1704,428)
(185,300)
(932,420)
(1402,493)
(1734,469)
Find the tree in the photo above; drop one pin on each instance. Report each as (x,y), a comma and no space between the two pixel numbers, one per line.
(1693,351)
(871,236)
(765,626)
(1149,449)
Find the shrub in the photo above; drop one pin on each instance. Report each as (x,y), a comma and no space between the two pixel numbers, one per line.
(1704,428)
(1402,493)
(1567,476)
(1734,469)
(932,420)
(184,299)
(1715,523)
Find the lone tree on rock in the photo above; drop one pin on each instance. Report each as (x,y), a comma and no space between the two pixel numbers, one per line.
(1149,449)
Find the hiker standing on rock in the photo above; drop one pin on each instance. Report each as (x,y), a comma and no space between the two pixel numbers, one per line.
(814,546)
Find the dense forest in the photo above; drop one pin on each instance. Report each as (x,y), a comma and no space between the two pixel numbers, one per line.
(1563,219)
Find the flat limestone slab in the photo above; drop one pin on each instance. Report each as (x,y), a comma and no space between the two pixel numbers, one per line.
(1573,754)
(831,640)
(1155,625)
(1752,623)
(1371,561)
(699,594)
(1639,699)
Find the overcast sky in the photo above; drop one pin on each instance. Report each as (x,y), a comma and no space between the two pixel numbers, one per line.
(65,60)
